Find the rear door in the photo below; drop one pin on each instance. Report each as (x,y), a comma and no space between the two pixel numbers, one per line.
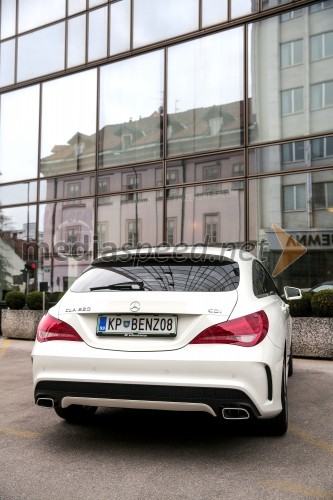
(146,305)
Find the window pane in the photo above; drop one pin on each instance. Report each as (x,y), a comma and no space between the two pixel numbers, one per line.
(316,47)
(69,124)
(34,13)
(94,3)
(97,48)
(120,26)
(205,93)
(288,198)
(129,179)
(278,105)
(70,187)
(298,100)
(41,52)
(316,96)
(300,197)
(76,41)
(7,18)
(329,44)
(25,192)
(329,187)
(268,4)
(318,193)
(308,225)
(17,229)
(285,54)
(66,241)
(131,127)
(328,93)
(243,7)
(205,168)
(298,51)
(164,19)
(293,155)
(19,138)
(133,222)
(7,63)
(201,212)
(214,12)
(75,6)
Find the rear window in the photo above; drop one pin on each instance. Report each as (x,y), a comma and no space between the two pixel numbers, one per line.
(184,276)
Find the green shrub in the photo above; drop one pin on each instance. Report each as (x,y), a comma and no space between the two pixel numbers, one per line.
(322,303)
(35,300)
(55,296)
(301,307)
(15,300)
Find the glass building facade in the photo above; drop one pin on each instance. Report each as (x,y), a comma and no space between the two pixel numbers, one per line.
(154,122)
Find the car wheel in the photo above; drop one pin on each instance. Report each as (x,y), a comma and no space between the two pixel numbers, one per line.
(76,413)
(278,425)
(291,364)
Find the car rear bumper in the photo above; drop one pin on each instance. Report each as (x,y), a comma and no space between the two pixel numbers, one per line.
(195,378)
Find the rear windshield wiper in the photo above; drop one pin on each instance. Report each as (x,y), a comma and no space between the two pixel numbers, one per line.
(131,285)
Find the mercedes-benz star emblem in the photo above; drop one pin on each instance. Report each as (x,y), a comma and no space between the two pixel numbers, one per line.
(135,306)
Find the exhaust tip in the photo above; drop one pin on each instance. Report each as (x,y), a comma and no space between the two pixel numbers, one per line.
(45,402)
(235,414)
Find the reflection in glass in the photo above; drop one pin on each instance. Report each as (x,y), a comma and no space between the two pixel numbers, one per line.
(283,100)
(7,18)
(291,155)
(268,4)
(75,6)
(97,46)
(94,3)
(164,19)
(25,192)
(130,179)
(243,7)
(65,242)
(214,12)
(41,52)
(120,26)
(34,13)
(205,93)
(7,63)
(302,205)
(131,116)
(133,221)
(71,187)
(17,235)
(76,41)
(213,213)
(69,124)
(205,168)
(19,137)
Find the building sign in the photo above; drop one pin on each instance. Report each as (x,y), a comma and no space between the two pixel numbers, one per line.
(310,239)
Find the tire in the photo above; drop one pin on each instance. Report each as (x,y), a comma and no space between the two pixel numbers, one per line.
(291,364)
(278,425)
(76,413)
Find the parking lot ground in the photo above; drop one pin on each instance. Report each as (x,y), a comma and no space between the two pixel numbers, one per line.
(130,454)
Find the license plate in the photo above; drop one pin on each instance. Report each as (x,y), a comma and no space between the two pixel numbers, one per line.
(137,326)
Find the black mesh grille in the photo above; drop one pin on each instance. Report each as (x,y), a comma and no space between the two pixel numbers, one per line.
(213,397)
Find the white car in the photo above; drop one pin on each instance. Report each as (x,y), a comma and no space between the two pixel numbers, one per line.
(169,329)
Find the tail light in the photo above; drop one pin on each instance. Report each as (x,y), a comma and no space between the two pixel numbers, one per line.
(246,331)
(51,328)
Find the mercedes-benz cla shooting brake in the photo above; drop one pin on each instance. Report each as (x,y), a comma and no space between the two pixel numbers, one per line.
(169,330)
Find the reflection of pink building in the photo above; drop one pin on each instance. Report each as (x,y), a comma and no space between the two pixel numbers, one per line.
(142,203)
